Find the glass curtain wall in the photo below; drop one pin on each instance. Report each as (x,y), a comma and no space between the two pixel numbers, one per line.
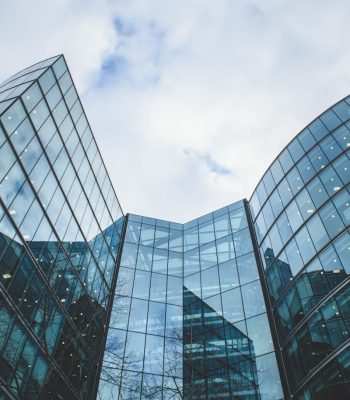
(228,349)
(301,211)
(143,357)
(60,224)
(189,318)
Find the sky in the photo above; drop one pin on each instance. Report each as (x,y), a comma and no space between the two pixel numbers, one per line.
(189,101)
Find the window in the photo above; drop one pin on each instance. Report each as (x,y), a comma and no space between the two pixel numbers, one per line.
(259,333)
(295,150)
(210,282)
(232,305)
(306,139)
(305,245)
(242,242)
(276,171)
(294,216)
(247,268)
(141,284)
(330,119)
(305,204)
(331,219)
(317,232)
(306,169)
(317,158)
(330,180)
(342,166)
(228,275)
(318,129)
(286,160)
(330,147)
(253,299)
(342,204)
(317,192)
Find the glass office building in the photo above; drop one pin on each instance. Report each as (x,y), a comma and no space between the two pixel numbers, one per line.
(189,318)
(248,302)
(301,210)
(60,225)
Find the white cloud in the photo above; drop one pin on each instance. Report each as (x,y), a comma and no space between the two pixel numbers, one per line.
(31,31)
(231,81)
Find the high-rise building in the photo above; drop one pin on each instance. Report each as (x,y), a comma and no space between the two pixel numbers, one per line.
(189,318)
(301,210)
(248,302)
(60,225)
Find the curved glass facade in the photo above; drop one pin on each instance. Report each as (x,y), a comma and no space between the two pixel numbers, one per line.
(301,213)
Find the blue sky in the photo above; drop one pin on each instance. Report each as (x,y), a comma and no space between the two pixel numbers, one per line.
(189,101)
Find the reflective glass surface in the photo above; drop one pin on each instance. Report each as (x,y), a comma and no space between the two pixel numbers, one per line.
(60,225)
(302,224)
(143,356)
(140,308)
(189,318)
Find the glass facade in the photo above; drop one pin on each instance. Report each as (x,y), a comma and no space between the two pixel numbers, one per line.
(189,318)
(60,226)
(144,347)
(248,302)
(301,210)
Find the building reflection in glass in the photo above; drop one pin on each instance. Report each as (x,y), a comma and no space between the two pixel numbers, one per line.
(309,327)
(189,318)
(72,338)
(60,225)
(219,359)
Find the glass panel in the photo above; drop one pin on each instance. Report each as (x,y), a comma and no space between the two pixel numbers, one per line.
(228,275)
(174,290)
(317,231)
(247,268)
(232,305)
(317,192)
(284,228)
(277,171)
(285,160)
(158,287)
(154,354)
(318,158)
(253,299)
(13,117)
(156,318)
(259,333)
(138,315)
(305,245)
(294,180)
(342,136)
(129,255)
(330,180)
(134,350)
(242,242)
(306,169)
(295,150)
(318,129)
(330,119)
(306,139)
(342,203)
(270,387)
(331,219)
(294,216)
(330,148)
(142,284)
(210,282)
(342,166)
(31,97)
